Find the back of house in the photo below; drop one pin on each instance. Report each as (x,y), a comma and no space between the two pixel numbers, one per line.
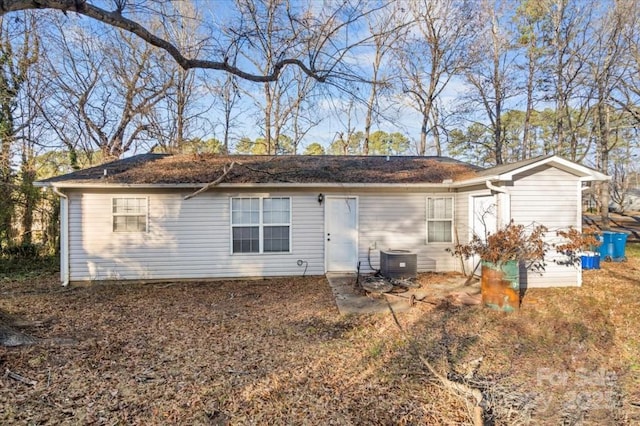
(173,217)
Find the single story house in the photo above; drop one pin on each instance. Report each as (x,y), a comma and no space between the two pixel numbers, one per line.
(631,201)
(165,217)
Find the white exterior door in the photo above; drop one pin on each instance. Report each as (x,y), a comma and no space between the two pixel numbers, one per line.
(341,234)
(484,220)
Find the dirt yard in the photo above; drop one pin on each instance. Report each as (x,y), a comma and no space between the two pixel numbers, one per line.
(278,352)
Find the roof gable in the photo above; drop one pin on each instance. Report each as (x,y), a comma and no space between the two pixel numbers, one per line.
(506,172)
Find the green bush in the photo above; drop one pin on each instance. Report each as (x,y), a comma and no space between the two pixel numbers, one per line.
(21,252)
(19,269)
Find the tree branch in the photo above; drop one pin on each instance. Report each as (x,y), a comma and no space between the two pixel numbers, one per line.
(116,19)
(212,184)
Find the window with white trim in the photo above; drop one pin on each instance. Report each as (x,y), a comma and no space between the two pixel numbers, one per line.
(261,225)
(439,219)
(129,214)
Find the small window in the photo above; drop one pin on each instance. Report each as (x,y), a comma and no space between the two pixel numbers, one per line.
(261,225)
(440,220)
(129,214)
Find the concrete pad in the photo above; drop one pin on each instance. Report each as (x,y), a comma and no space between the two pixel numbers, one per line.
(350,301)
(343,286)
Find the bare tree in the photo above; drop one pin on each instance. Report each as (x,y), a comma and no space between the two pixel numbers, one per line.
(31,136)
(624,165)
(434,52)
(281,101)
(19,50)
(531,19)
(493,78)
(387,28)
(303,115)
(606,63)
(178,116)
(567,35)
(311,43)
(288,107)
(320,35)
(227,94)
(346,141)
(110,91)
(627,97)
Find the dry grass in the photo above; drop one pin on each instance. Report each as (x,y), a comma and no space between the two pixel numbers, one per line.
(277,351)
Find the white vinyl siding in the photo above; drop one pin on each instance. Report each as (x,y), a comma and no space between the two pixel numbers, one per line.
(551,197)
(129,214)
(261,225)
(439,219)
(186,239)
(191,239)
(399,221)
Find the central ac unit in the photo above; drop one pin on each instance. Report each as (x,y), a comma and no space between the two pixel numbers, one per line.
(398,263)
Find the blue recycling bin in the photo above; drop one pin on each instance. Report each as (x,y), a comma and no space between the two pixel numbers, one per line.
(613,246)
(590,260)
(619,243)
(606,246)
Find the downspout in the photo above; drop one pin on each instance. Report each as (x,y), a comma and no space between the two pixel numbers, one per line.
(505,203)
(580,203)
(64,236)
(581,191)
(496,188)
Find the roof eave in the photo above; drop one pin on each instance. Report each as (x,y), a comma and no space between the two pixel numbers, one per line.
(98,185)
(77,185)
(584,173)
(475,181)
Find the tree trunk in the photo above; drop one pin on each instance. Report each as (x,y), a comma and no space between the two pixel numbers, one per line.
(227,124)
(498,84)
(30,194)
(7,206)
(380,46)
(527,115)
(181,105)
(436,141)
(435,129)
(422,150)
(368,119)
(267,117)
(603,125)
